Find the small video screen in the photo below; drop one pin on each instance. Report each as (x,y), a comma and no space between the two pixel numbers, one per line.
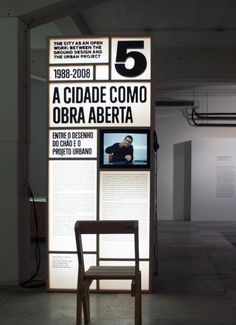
(125,148)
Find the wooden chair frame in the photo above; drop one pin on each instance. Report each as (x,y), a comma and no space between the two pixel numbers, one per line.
(85,278)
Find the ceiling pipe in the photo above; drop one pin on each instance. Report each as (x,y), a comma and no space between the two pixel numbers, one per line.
(213,116)
(175,103)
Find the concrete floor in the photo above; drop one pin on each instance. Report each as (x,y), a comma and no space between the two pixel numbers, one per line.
(196,285)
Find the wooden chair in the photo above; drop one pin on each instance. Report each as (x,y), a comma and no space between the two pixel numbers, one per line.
(85,278)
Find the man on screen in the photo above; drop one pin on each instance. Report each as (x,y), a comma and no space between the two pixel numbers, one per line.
(121,152)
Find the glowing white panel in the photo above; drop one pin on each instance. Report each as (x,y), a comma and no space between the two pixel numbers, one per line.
(116,246)
(131,58)
(72,197)
(125,196)
(78,50)
(70,73)
(99,104)
(73,143)
(102,72)
(125,284)
(144,267)
(63,270)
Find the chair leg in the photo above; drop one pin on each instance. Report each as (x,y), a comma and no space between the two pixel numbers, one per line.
(138,301)
(86,306)
(79,309)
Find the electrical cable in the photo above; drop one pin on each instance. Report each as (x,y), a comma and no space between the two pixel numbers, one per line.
(32,282)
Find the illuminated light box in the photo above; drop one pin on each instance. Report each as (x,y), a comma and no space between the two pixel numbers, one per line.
(73,193)
(63,270)
(79,50)
(76,143)
(137,63)
(99,104)
(99,91)
(124,148)
(125,195)
(102,72)
(73,72)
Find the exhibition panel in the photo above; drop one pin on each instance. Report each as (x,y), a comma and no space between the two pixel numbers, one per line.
(100,153)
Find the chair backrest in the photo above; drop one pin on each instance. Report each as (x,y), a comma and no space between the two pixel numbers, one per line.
(106,227)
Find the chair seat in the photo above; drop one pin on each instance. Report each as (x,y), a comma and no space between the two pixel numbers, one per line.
(110,272)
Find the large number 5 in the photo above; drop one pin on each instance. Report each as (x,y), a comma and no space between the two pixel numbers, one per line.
(140,62)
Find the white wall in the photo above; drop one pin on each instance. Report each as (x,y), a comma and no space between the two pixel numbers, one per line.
(213,179)
(173,128)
